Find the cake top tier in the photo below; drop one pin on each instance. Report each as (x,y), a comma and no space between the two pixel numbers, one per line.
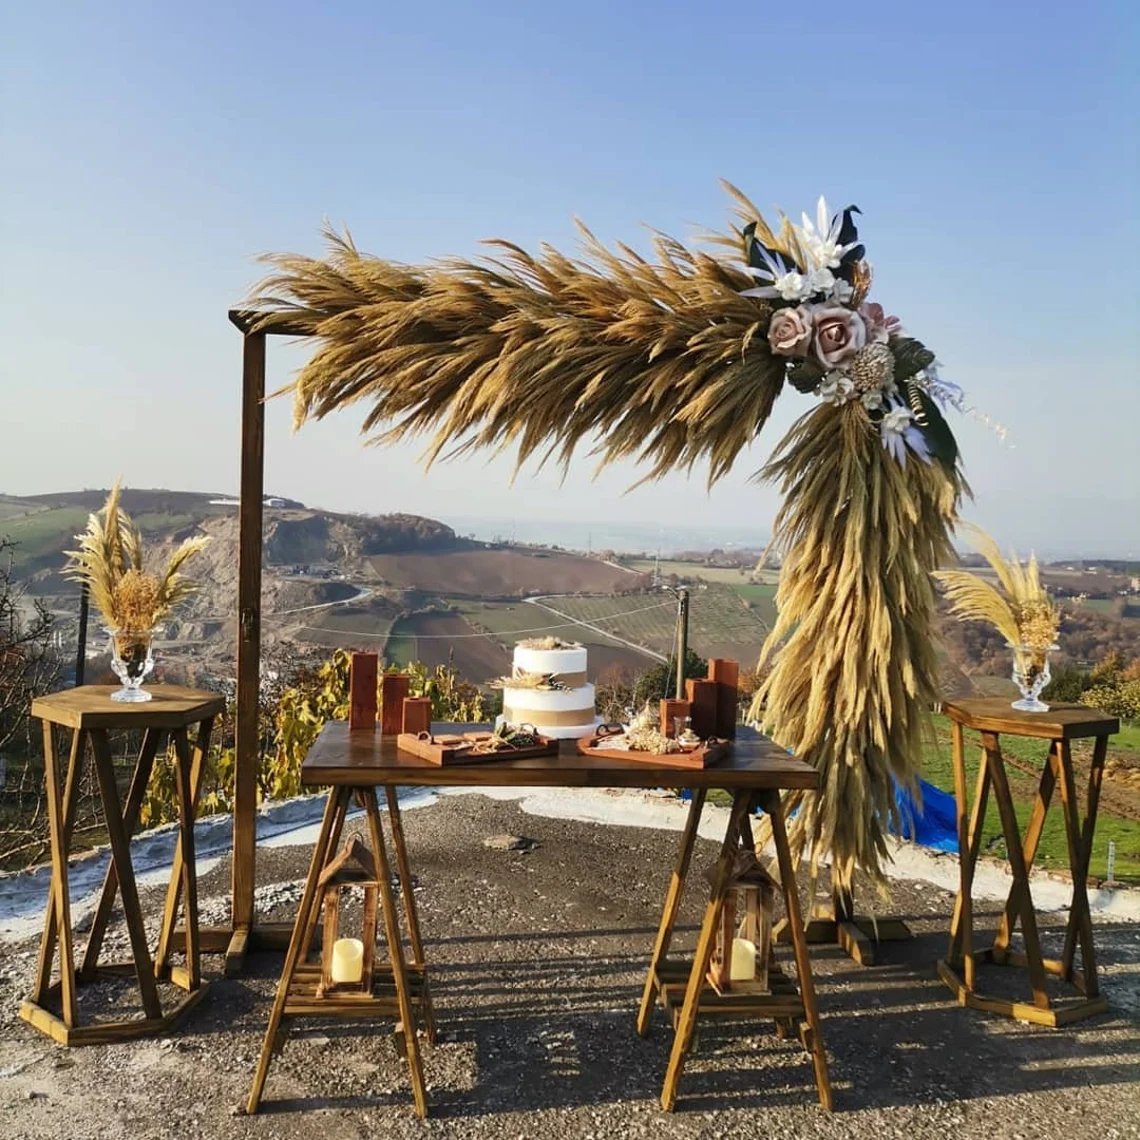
(537,657)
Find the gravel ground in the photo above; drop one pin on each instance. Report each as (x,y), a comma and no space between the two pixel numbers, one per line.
(538,959)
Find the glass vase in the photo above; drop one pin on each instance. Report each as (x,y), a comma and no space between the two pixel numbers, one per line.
(132,660)
(1031,674)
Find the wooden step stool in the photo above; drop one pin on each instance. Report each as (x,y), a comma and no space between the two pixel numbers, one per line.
(399,989)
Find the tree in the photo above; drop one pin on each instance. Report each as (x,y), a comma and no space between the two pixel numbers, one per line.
(28,666)
(661,680)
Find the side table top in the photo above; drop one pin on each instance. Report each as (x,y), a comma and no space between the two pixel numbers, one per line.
(360,757)
(1062,722)
(90,706)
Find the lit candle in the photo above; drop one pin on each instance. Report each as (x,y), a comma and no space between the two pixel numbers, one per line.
(743,960)
(347,960)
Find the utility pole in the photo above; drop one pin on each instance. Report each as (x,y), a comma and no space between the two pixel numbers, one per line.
(81,648)
(682,640)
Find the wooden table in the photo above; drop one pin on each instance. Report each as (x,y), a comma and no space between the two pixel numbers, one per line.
(91,716)
(1060,725)
(754,774)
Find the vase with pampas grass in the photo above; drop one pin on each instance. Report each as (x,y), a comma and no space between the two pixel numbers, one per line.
(131,600)
(1017,607)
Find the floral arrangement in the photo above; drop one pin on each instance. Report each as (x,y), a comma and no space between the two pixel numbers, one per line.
(109,562)
(548,643)
(673,361)
(524,679)
(840,346)
(1019,607)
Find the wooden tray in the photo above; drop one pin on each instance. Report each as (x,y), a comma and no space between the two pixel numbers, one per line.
(447,749)
(699,756)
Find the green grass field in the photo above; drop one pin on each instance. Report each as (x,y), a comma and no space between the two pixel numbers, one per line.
(1053,852)
(692,570)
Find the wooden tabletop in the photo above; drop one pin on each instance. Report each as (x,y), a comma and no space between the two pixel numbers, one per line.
(360,757)
(1061,722)
(90,706)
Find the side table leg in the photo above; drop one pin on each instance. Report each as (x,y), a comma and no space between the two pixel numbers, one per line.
(60,889)
(403,865)
(672,905)
(1080,850)
(51,921)
(191,788)
(189,868)
(121,854)
(332,840)
(1024,900)
(688,1019)
(1029,848)
(770,801)
(139,780)
(271,1042)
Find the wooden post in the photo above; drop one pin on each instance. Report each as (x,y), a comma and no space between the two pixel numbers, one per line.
(702,696)
(362,673)
(726,674)
(417,714)
(393,690)
(671,709)
(249,641)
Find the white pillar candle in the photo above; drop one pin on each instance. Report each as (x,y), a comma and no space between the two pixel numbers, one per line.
(347,960)
(743,960)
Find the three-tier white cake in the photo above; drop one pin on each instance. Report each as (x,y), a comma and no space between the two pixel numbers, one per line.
(548,688)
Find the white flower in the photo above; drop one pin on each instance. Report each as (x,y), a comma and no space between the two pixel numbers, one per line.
(835,388)
(872,400)
(821,240)
(842,291)
(791,286)
(822,281)
(899,432)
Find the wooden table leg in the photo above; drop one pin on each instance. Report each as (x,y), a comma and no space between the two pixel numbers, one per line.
(396,953)
(1024,900)
(672,905)
(1033,831)
(60,889)
(1080,920)
(139,781)
(813,1037)
(292,955)
(1096,778)
(403,865)
(688,1018)
(70,800)
(183,868)
(332,841)
(121,854)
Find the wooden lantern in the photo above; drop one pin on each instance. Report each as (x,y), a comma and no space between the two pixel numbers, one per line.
(353,867)
(743,939)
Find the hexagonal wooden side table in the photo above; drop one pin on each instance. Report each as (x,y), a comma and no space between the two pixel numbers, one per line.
(91,716)
(992,717)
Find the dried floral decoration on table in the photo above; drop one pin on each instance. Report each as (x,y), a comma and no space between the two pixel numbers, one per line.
(1018,607)
(131,600)
(674,360)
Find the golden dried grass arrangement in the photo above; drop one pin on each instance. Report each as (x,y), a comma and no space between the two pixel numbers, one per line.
(664,362)
(109,562)
(854,668)
(1018,607)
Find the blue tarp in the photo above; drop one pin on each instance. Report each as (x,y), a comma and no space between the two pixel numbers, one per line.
(935,823)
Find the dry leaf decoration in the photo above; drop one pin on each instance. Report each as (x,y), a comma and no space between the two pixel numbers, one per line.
(676,360)
(109,562)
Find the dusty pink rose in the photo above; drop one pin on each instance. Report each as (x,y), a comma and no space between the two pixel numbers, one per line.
(880,327)
(789,331)
(838,334)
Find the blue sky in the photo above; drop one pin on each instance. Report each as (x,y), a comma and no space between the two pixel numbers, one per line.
(151,150)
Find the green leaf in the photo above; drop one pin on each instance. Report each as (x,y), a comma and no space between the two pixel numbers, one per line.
(804,375)
(939,437)
(911,357)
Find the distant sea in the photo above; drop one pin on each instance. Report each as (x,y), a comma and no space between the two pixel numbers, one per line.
(624,538)
(633,538)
